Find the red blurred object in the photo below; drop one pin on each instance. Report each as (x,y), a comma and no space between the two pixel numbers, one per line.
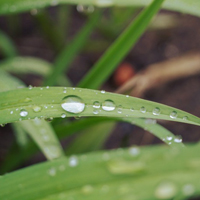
(123,73)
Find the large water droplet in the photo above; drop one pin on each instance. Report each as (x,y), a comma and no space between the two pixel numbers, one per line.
(156,111)
(96,104)
(108,105)
(37,108)
(73,161)
(73,104)
(166,190)
(23,113)
(173,115)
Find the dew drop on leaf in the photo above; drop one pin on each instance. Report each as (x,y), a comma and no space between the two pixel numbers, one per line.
(134,151)
(23,113)
(156,111)
(173,115)
(143,109)
(102,91)
(52,171)
(104,3)
(95,111)
(178,139)
(188,190)
(96,104)
(37,108)
(73,104)
(108,105)
(63,115)
(119,109)
(73,161)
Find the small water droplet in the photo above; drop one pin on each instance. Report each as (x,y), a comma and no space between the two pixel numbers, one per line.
(156,111)
(143,109)
(188,190)
(150,121)
(37,108)
(87,189)
(134,151)
(52,171)
(48,119)
(178,139)
(63,115)
(73,161)
(23,113)
(108,105)
(27,100)
(96,111)
(173,115)
(11,112)
(47,87)
(96,104)
(132,109)
(73,104)
(30,87)
(103,91)
(85,9)
(169,138)
(166,190)
(119,109)
(41,88)
(185,118)
(127,95)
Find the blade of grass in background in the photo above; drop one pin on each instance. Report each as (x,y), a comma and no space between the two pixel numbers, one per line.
(68,54)
(14,6)
(119,49)
(49,30)
(122,174)
(7,48)
(40,131)
(31,65)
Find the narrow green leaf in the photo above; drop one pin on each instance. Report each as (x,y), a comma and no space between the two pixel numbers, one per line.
(48,101)
(119,49)
(39,130)
(14,6)
(7,47)
(118,174)
(68,54)
(26,65)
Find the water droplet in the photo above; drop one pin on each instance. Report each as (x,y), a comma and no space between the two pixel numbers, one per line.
(166,190)
(11,112)
(103,91)
(134,151)
(104,3)
(48,119)
(173,115)
(73,161)
(185,118)
(108,105)
(125,167)
(178,139)
(54,2)
(30,87)
(96,104)
(27,100)
(47,87)
(169,138)
(62,168)
(132,109)
(63,115)
(37,108)
(156,111)
(87,189)
(41,88)
(52,151)
(73,104)
(119,109)
(127,95)
(96,111)
(85,9)
(23,113)
(188,190)
(143,109)
(52,171)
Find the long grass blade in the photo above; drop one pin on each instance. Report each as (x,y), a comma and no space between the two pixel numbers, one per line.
(119,174)
(119,49)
